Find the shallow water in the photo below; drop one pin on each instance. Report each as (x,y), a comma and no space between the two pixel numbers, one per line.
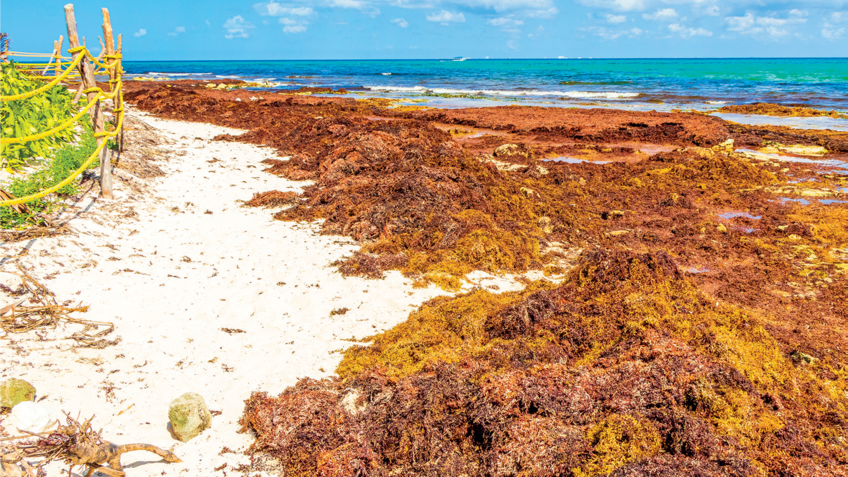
(793,122)
(660,84)
(840,166)
(800,201)
(573,160)
(733,215)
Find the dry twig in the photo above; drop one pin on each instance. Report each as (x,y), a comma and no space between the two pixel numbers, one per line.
(76,444)
(46,312)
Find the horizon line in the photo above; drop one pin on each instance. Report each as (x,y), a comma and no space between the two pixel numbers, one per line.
(540,58)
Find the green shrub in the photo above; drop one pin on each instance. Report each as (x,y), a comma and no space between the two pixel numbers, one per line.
(30,116)
(65,161)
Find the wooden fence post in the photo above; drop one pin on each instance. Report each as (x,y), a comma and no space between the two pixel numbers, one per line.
(58,64)
(52,57)
(120,70)
(88,81)
(113,73)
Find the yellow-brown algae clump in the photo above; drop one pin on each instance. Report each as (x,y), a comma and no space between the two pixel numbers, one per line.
(626,368)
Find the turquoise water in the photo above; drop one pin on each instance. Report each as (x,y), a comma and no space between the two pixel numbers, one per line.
(655,83)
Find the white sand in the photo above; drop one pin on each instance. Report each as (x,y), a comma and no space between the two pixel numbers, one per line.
(170,276)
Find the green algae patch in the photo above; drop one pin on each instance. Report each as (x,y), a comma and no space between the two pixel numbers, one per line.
(14,391)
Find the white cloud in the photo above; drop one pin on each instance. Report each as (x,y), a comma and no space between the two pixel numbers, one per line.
(751,24)
(501,6)
(610,34)
(294,28)
(830,31)
(740,23)
(504,21)
(688,32)
(832,34)
(537,33)
(275,9)
(665,14)
(401,22)
(713,11)
(446,17)
(615,18)
(543,13)
(292,25)
(621,5)
(177,31)
(532,8)
(798,13)
(237,27)
(141,32)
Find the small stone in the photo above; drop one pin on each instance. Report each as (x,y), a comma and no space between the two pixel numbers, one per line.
(14,391)
(189,416)
(721,228)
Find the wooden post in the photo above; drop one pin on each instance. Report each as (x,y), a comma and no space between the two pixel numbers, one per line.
(113,73)
(120,71)
(52,57)
(58,64)
(87,74)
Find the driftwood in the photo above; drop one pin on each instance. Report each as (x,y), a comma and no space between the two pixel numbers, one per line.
(46,312)
(77,444)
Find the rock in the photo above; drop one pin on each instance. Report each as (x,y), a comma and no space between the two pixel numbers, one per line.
(803,357)
(14,391)
(546,225)
(721,228)
(32,417)
(508,150)
(803,150)
(189,416)
(726,146)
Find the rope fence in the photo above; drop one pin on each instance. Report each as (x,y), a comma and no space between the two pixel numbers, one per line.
(83,65)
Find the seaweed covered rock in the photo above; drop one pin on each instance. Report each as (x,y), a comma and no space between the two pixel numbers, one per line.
(189,416)
(626,368)
(14,391)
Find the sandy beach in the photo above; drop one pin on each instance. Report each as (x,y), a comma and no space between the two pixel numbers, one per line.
(210,296)
(206,296)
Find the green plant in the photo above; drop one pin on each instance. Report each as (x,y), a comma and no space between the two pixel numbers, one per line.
(65,161)
(30,116)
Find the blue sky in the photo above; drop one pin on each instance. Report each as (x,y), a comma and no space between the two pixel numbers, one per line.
(366,29)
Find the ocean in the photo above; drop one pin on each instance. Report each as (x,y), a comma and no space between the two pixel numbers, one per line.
(660,84)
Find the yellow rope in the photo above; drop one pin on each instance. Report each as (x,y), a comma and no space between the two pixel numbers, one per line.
(32,55)
(116,90)
(42,135)
(46,87)
(85,165)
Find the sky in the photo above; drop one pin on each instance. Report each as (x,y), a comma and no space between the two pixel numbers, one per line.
(398,29)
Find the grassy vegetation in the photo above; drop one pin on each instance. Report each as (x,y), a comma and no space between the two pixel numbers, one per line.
(29,116)
(65,161)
